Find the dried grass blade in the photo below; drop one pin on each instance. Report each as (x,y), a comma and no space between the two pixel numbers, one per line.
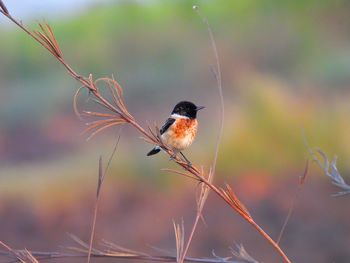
(99,184)
(96,124)
(49,35)
(42,41)
(110,108)
(101,129)
(112,91)
(204,188)
(180,239)
(88,82)
(179,172)
(79,241)
(75,102)
(302,178)
(301,182)
(330,169)
(44,30)
(148,140)
(242,254)
(117,87)
(234,201)
(119,97)
(204,192)
(54,40)
(100,176)
(3,7)
(152,132)
(85,251)
(45,38)
(98,114)
(118,249)
(159,137)
(30,256)
(77,249)
(104,120)
(93,126)
(152,139)
(13,252)
(125,109)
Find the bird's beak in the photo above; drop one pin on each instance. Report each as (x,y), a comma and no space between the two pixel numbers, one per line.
(200,108)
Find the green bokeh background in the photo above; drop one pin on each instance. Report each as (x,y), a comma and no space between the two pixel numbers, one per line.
(285,67)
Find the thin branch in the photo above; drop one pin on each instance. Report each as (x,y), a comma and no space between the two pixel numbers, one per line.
(113,251)
(22,256)
(13,252)
(179,230)
(108,125)
(3,8)
(330,169)
(301,182)
(217,75)
(29,256)
(119,256)
(180,173)
(203,195)
(101,177)
(242,254)
(204,189)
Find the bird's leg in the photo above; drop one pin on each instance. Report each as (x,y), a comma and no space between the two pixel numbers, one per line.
(173,156)
(188,162)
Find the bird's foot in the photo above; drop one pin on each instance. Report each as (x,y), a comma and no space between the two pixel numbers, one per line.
(172,157)
(189,164)
(186,160)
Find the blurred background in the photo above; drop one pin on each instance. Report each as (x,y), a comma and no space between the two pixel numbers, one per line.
(285,67)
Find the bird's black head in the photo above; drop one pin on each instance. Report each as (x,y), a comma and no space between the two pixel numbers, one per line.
(187,109)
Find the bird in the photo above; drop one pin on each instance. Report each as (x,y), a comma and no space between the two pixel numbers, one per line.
(180,129)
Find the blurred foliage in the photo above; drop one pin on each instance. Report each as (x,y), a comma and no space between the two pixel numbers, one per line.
(285,67)
(285,70)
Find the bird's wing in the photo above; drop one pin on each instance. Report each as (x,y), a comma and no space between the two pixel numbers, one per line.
(166,125)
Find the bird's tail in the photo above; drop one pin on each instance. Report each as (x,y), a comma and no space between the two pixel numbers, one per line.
(155,150)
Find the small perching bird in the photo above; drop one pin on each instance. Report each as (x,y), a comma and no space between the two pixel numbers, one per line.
(179,131)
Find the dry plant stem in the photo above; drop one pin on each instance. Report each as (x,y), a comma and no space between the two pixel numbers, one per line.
(290,211)
(111,255)
(100,181)
(101,177)
(3,7)
(53,48)
(13,252)
(218,78)
(301,182)
(217,75)
(23,255)
(190,237)
(244,216)
(113,251)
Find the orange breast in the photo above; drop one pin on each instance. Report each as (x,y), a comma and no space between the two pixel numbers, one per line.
(181,134)
(185,127)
